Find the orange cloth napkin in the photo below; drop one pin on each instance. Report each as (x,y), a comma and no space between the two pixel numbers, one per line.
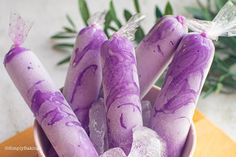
(211,141)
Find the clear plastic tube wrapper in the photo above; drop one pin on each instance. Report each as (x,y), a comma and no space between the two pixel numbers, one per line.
(84,76)
(174,107)
(156,50)
(47,103)
(121,86)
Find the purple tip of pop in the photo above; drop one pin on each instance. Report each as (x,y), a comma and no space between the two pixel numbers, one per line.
(203,34)
(12,53)
(181,19)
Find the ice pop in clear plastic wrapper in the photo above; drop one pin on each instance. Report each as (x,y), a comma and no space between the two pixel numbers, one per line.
(84,76)
(174,107)
(157,48)
(121,86)
(47,103)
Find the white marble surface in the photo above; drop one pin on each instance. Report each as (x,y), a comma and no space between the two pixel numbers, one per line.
(48,17)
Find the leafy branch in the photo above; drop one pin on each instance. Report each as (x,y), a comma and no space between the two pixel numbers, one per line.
(221,78)
(64,38)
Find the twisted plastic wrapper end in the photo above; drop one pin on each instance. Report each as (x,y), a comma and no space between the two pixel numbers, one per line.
(18,29)
(129,29)
(224,24)
(97,19)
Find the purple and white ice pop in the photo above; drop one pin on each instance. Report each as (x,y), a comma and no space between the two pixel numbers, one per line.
(121,86)
(155,51)
(174,107)
(47,103)
(84,76)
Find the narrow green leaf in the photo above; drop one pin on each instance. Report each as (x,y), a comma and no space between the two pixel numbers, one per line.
(136,5)
(139,35)
(229,42)
(108,19)
(158,12)
(229,61)
(69,30)
(84,11)
(220,3)
(63,35)
(209,91)
(113,29)
(113,14)
(69,19)
(230,83)
(160,81)
(127,14)
(168,9)
(207,15)
(63,46)
(196,12)
(65,60)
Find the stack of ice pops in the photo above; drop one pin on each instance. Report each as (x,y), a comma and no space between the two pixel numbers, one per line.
(101,111)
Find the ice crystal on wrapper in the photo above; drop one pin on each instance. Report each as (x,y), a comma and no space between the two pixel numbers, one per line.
(174,107)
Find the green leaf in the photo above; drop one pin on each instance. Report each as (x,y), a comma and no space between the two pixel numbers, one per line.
(209,91)
(113,14)
(113,29)
(69,30)
(229,42)
(168,9)
(139,35)
(63,46)
(220,3)
(84,11)
(65,60)
(108,19)
(63,35)
(160,81)
(127,15)
(230,83)
(136,5)
(196,12)
(158,12)
(229,61)
(69,19)
(200,13)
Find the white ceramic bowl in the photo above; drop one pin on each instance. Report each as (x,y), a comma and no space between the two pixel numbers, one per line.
(43,144)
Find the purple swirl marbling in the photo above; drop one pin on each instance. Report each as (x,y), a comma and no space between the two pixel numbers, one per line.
(174,107)
(121,91)
(48,104)
(157,48)
(84,76)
